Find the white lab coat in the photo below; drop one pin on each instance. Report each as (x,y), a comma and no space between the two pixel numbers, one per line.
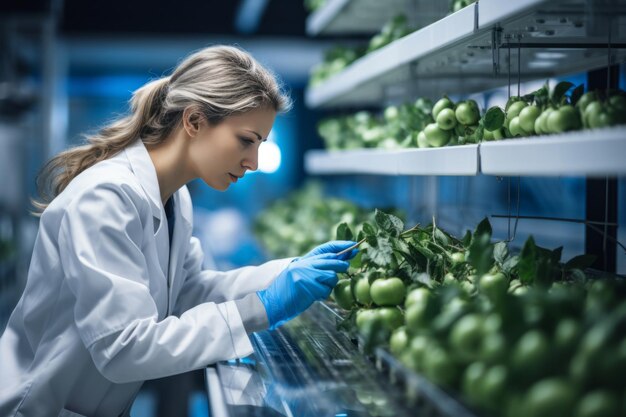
(107,305)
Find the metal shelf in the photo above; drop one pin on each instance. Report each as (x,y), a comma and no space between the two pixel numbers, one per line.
(367,79)
(473,49)
(452,160)
(598,152)
(366,17)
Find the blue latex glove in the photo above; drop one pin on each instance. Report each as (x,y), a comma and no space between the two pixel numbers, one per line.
(334,246)
(304,281)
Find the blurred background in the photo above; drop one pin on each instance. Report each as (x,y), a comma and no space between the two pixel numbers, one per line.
(68,67)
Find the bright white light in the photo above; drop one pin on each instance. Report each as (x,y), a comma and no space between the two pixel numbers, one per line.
(541,64)
(550,55)
(269,156)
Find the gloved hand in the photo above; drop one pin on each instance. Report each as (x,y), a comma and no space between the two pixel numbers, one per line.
(304,281)
(334,246)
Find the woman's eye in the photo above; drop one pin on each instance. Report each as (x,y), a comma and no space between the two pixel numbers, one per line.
(246,141)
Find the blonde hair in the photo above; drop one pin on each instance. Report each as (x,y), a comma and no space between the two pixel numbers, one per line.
(217,82)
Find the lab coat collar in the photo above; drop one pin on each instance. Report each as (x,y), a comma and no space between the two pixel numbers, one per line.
(142,166)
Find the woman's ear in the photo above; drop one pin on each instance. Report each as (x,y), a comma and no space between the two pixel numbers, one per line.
(192,121)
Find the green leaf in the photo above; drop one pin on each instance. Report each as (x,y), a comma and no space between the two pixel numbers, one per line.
(388,223)
(484,227)
(480,254)
(382,253)
(368,229)
(527,264)
(577,94)
(509,265)
(544,273)
(467,239)
(422,278)
(556,254)
(494,118)
(500,252)
(580,262)
(441,238)
(559,90)
(426,252)
(400,246)
(344,232)
(577,276)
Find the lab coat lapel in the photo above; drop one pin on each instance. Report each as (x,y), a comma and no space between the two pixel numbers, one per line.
(143,168)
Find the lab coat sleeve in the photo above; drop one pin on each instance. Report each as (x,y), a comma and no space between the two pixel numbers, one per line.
(201,285)
(100,241)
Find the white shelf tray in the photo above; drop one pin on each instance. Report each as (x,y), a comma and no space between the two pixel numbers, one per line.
(598,152)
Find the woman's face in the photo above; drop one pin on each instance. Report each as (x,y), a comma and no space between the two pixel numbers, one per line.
(221,154)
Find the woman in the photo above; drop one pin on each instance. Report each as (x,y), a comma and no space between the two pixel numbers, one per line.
(115,292)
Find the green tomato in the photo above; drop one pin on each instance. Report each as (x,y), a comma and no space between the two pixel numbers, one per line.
(443,103)
(498,134)
(592,111)
(487,135)
(364,317)
(515,128)
(471,380)
(417,296)
(388,292)
(531,354)
(493,387)
(466,337)
(567,334)
(439,366)
(585,100)
(544,123)
(598,403)
(494,286)
(457,258)
(343,294)
(554,397)
(527,118)
(446,119)
(467,113)
(449,278)
(422,142)
(399,341)
(515,109)
(493,348)
(362,291)
(418,315)
(391,317)
(436,137)
(564,119)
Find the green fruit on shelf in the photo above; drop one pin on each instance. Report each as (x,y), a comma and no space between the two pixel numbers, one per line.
(362,291)
(446,119)
(515,109)
(586,99)
(494,286)
(515,128)
(457,258)
(342,293)
(564,119)
(399,341)
(439,366)
(417,296)
(493,348)
(531,355)
(593,111)
(488,135)
(443,103)
(598,403)
(391,317)
(467,113)
(554,397)
(471,380)
(388,292)
(544,123)
(527,117)
(492,388)
(436,137)
(466,337)
(538,127)
(422,141)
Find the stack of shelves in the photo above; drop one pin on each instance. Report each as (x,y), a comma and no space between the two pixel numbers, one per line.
(466,52)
